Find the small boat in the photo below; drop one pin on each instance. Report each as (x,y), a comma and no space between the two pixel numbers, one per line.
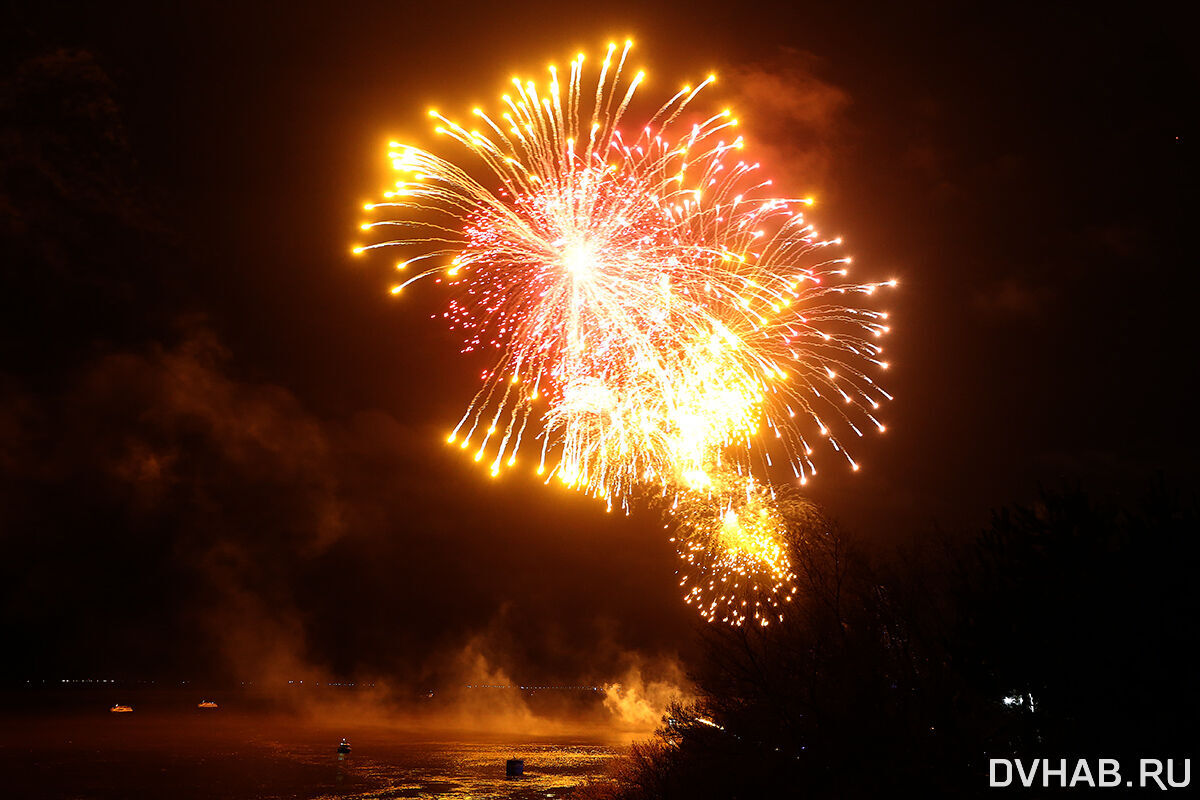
(207,704)
(343,747)
(514,768)
(120,709)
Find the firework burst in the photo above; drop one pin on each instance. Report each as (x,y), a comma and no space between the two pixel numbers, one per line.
(659,317)
(734,547)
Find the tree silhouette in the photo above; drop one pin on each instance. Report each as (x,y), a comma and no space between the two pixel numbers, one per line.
(1062,630)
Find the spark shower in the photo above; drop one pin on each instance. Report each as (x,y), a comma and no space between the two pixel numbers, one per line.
(662,324)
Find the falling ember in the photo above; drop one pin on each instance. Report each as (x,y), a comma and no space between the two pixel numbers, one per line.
(734,546)
(659,319)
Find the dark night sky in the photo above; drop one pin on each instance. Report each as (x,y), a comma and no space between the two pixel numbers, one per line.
(219,436)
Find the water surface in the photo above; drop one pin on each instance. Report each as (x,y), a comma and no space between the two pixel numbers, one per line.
(183,753)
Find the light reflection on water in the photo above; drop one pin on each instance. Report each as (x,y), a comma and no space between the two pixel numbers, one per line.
(473,770)
(190,756)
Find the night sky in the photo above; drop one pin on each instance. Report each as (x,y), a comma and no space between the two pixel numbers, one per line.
(221,439)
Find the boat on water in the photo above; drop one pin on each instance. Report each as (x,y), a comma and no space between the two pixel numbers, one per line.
(343,747)
(207,704)
(121,709)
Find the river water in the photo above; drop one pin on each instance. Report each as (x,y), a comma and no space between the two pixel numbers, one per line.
(184,752)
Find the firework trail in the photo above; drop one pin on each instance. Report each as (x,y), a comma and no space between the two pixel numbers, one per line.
(660,320)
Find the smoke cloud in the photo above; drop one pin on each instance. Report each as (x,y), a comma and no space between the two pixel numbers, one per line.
(798,119)
(227,532)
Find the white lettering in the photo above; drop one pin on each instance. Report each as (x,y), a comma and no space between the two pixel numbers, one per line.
(1109,772)
(1027,780)
(1082,773)
(998,762)
(1061,772)
(1146,773)
(1187,773)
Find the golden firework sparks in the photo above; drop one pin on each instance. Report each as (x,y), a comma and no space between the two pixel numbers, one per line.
(659,317)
